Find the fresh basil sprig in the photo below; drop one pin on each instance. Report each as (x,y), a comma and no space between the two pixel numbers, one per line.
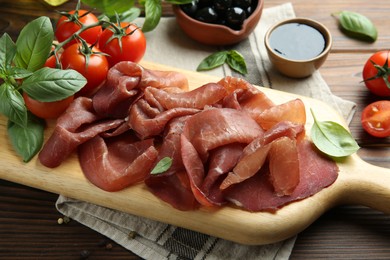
(21,70)
(162,166)
(357,26)
(233,58)
(332,139)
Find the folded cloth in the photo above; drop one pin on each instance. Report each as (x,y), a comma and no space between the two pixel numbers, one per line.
(154,240)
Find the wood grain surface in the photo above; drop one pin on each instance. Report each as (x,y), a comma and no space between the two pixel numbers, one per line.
(28,218)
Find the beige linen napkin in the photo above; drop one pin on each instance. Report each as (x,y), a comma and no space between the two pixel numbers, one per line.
(154,240)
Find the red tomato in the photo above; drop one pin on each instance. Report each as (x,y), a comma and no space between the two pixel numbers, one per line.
(66,28)
(378,85)
(95,71)
(50,62)
(47,110)
(376,118)
(132,40)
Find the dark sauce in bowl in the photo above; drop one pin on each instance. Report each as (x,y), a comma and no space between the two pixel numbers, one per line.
(297,41)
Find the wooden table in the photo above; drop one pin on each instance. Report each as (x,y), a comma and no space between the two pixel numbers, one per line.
(28,218)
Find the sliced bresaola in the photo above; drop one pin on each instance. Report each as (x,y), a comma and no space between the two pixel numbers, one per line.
(257,193)
(293,111)
(147,121)
(77,125)
(173,186)
(216,127)
(198,98)
(115,163)
(126,81)
(256,153)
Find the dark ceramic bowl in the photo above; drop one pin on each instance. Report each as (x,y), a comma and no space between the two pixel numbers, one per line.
(216,34)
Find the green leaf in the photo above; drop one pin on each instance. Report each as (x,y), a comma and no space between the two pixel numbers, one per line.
(127,16)
(358,26)
(48,84)
(34,44)
(212,61)
(178,2)
(237,62)
(162,166)
(153,11)
(332,139)
(110,7)
(27,140)
(19,73)
(12,104)
(7,51)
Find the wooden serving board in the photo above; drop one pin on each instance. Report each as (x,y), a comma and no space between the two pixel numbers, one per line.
(358,183)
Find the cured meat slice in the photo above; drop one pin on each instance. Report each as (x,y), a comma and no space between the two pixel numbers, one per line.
(214,127)
(76,126)
(247,166)
(126,81)
(233,83)
(146,126)
(284,166)
(251,100)
(195,170)
(293,111)
(120,90)
(284,128)
(207,94)
(173,186)
(116,163)
(257,193)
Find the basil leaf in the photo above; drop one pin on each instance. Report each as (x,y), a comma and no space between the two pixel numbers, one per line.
(19,73)
(237,62)
(178,2)
(34,44)
(358,26)
(27,140)
(12,104)
(162,166)
(212,61)
(7,51)
(127,16)
(110,7)
(48,84)
(332,139)
(153,11)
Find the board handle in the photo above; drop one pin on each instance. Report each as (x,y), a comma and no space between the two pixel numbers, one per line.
(367,185)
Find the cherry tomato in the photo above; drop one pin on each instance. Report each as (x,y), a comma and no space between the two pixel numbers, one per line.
(132,40)
(50,62)
(47,110)
(67,27)
(378,85)
(376,118)
(95,71)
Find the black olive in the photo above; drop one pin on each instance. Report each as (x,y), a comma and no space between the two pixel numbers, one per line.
(207,15)
(203,3)
(242,3)
(190,9)
(221,6)
(235,17)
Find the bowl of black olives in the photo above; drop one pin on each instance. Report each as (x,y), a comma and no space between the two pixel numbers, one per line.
(219,22)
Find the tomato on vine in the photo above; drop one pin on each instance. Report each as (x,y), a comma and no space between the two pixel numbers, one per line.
(375,118)
(71,22)
(47,110)
(376,73)
(125,42)
(90,62)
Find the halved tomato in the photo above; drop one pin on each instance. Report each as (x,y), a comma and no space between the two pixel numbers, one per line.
(375,118)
